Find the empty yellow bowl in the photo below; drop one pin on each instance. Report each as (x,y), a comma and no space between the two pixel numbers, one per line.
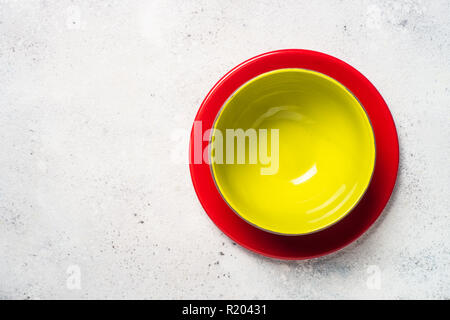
(303,158)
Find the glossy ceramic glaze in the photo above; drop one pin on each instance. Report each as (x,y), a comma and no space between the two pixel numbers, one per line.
(354,224)
(322,164)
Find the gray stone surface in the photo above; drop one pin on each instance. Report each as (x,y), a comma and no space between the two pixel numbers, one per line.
(97,98)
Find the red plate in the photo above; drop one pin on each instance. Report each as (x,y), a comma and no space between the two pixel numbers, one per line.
(369,208)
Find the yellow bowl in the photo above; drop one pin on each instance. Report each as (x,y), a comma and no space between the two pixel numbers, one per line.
(317,162)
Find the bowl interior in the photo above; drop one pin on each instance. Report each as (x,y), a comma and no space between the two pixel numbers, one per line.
(292,151)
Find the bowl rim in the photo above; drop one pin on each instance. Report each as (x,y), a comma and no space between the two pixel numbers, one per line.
(328,78)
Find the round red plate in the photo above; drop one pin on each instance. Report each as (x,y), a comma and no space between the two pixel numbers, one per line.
(369,208)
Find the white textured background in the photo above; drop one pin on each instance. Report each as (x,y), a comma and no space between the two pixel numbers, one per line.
(96,102)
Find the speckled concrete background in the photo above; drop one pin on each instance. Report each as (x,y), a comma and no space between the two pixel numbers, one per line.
(96,101)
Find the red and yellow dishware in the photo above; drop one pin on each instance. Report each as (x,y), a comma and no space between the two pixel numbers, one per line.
(338,158)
